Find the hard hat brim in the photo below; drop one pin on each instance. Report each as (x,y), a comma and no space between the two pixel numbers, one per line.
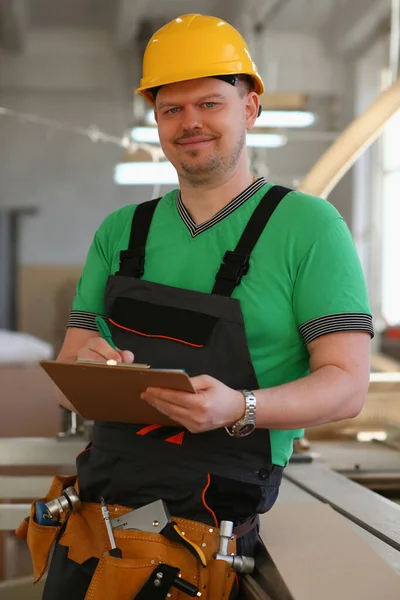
(148,84)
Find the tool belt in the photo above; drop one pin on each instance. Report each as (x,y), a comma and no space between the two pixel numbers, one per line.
(85,535)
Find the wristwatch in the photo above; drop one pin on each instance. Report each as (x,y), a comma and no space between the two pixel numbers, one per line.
(247,423)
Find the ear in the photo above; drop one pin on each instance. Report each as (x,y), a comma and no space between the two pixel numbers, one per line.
(155,116)
(253,109)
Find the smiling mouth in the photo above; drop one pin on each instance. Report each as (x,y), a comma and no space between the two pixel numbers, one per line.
(189,143)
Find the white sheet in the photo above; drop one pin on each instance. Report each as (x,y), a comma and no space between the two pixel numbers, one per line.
(17,347)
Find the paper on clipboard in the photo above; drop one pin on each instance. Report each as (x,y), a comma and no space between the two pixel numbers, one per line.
(102,392)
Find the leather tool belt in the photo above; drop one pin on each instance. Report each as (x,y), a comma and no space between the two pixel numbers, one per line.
(84,533)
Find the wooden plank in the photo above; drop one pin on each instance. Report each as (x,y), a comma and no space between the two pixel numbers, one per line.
(372,512)
(18,487)
(40,451)
(12,515)
(292,493)
(350,455)
(319,556)
(383,363)
(252,590)
(389,554)
(387,382)
(21,589)
(2,552)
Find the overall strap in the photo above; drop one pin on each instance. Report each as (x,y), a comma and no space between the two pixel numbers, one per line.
(132,260)
(237,263)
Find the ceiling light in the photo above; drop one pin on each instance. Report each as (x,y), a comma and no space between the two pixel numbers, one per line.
(265,140)
(370,436)
(149,118)
(269,118)
(145,135)
(149,135)
(285,118)
(145,173)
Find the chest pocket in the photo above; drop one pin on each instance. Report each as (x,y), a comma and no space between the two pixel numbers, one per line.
(162,322)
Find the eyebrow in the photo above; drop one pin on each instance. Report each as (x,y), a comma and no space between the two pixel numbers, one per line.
(200,100)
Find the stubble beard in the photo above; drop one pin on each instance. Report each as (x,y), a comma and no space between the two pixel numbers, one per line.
(200,173)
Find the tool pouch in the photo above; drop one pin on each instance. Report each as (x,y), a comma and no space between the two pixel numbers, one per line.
(121,578)
(41,538)
(84,534)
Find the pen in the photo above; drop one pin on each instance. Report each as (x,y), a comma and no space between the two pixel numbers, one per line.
(106,335)
(104,331)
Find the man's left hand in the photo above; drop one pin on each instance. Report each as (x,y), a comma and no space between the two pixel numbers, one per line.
(214,404)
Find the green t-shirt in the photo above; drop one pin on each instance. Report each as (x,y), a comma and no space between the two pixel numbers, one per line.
(305,278)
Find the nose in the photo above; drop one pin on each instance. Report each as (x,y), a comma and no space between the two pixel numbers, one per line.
(191,118)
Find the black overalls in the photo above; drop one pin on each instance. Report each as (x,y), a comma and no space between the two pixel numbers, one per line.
(195,474)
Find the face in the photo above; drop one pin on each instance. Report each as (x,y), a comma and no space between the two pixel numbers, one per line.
(202,127)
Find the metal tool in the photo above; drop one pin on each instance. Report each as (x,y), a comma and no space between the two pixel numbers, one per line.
(162,578)
(48,513)
(73,425)
(69,501)
(155,518)
(240,564)
(152,517)
(106,516)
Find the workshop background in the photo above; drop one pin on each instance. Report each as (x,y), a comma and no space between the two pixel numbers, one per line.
(71,152)
(77,62)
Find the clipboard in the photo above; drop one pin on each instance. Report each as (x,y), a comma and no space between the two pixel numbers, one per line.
(101,392)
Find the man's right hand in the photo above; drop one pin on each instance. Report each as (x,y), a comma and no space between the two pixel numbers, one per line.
(84,344)
(96,348)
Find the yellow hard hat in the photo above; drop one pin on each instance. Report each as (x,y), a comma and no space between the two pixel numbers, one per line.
(195,46)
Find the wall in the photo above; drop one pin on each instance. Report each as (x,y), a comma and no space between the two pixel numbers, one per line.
(76,77)
(291,61)
(296,61)
(79,81)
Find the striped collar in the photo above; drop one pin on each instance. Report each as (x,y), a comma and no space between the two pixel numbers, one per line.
(224,212)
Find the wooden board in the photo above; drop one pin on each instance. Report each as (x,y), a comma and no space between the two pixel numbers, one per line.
(102,392)
(379,516)
(319,556)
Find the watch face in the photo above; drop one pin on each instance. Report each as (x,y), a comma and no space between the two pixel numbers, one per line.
(245,429)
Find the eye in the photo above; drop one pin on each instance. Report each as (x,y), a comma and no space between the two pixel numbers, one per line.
(172,111)
(209,104)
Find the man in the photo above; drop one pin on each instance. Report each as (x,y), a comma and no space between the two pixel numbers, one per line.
(255,290)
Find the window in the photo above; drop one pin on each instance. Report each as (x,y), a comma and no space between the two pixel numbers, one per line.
(391,221)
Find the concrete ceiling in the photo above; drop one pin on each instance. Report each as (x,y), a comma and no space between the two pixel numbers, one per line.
(301,14)
(123,18)
(72,13)
(105,14)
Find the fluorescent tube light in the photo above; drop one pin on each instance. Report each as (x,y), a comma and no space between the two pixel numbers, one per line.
(149,118)
(145,135)
(270,118)
(149,135)
(265,140)
(370,436)
(285,118)
(145,173)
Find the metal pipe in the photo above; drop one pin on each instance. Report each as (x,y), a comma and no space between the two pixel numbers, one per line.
(358,136)
(266,19)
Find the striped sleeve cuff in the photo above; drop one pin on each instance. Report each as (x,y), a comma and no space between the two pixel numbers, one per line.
(333,323)
(82,320)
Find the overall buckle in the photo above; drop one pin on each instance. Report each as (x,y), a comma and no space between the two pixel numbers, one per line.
(234,266)
(132,262)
